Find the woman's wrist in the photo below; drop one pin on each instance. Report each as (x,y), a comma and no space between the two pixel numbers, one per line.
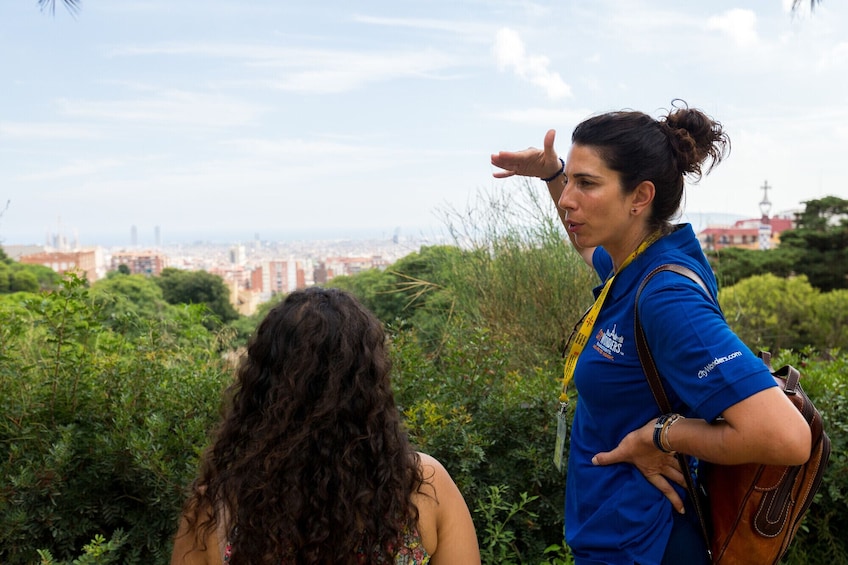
(661,430)
(556,174)
(666,443)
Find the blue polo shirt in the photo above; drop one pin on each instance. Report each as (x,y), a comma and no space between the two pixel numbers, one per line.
(613,515)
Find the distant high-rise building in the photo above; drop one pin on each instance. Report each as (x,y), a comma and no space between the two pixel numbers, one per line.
(256,280)
(157,236)
(319,275)
(299,276)
(134,236)
(275,278)
(238,255)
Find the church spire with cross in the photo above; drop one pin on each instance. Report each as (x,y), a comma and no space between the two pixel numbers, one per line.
(765,219)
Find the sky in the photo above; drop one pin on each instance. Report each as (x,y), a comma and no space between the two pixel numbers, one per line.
(237,118)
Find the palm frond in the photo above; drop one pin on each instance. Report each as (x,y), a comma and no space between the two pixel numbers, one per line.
(796,3)
(73,6)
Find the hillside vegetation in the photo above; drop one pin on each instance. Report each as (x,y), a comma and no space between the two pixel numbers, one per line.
(109,392)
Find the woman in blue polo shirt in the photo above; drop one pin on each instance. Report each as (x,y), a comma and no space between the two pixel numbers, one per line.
(617,192)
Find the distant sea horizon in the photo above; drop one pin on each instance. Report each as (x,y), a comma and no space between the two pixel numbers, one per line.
(167,237)
(147,238)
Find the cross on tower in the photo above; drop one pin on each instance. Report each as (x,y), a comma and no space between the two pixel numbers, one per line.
(765,204)
(765,222)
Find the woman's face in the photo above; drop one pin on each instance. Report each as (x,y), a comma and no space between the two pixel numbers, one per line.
(597,212)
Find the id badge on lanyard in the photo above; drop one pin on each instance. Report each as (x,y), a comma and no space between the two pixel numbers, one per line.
(562,434)
(580,336)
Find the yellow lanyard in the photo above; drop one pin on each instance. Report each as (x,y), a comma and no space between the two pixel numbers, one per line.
(581,337)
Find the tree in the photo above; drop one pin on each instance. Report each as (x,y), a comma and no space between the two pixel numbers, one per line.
(136,295)
(23,281)
(16,277)
(197,287)
(772,313)
(412,289)
(823,213)
(821,242)
(734,264)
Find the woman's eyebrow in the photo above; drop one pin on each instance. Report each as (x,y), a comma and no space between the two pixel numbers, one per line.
(582,175)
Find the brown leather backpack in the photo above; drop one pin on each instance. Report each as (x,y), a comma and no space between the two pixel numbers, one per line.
(749,513)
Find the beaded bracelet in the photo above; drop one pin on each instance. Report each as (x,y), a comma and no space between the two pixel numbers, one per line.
(558,173)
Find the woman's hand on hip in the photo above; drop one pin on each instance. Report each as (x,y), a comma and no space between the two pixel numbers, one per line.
(659,468)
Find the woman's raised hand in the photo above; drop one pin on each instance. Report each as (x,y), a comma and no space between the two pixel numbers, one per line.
(530,162)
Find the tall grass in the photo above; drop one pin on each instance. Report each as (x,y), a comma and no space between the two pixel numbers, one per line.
(521,277)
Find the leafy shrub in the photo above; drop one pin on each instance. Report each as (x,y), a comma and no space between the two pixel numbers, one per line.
(774,313)
(109,394)
(100,432)
(489,425)
(822,539)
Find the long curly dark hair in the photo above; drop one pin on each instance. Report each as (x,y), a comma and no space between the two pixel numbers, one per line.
(311,463)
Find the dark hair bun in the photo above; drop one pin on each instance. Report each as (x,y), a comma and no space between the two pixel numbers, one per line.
(696,138)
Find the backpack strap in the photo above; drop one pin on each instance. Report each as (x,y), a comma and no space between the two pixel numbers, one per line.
(649,367)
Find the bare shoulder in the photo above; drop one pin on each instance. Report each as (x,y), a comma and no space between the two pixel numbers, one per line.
(434,476)
(437,481)
(432,469)
(189,549)
(446,527)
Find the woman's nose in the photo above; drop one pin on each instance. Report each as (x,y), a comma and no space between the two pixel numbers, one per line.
(565,202)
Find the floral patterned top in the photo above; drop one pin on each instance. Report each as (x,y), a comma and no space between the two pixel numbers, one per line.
(412,552)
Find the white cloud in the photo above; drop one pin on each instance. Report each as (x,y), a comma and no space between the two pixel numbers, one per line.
(510,54)
(740,25)
(544,117)
(468,30)
(168,107)
(341,71)
(305,70)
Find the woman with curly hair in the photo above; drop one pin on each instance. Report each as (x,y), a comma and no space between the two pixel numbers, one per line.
(311,463)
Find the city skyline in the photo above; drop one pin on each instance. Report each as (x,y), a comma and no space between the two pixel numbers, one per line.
(237,118)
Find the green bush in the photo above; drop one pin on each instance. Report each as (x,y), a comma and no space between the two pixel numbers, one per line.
(774,313)
(482,397)
(822,539)
(492,429)
(109,393)
(100,433)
